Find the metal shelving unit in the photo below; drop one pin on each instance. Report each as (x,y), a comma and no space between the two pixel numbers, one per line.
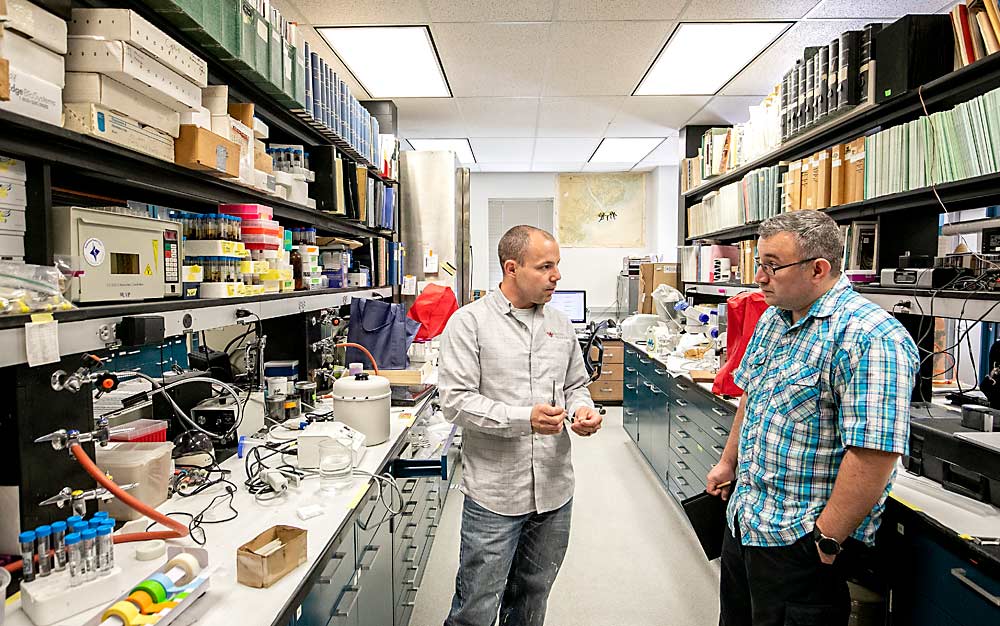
(727,290)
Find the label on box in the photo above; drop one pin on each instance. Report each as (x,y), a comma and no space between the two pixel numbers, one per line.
(41,341)
(221,158)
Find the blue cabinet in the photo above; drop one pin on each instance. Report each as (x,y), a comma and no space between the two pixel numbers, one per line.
(630,394)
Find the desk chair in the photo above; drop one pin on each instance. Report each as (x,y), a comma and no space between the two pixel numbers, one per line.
(595,366)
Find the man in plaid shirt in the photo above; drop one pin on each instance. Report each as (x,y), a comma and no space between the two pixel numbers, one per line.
(828,377)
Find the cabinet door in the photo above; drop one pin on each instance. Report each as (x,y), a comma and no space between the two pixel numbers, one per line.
(630,394)
(375,579)
(645,424)
(660,426)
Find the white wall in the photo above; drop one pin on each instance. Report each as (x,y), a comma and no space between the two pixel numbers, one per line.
(593,269)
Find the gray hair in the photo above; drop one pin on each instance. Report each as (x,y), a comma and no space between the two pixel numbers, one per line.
(815,232)
(514,244)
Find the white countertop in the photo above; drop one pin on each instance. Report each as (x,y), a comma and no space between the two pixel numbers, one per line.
(228,602)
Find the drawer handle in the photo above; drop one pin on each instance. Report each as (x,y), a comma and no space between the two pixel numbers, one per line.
(683,434)
(431,513)
(629,412)
(682,481)
(630,370)
(659,372)
(718,449)
(959,573)
(412,506)
(655,390)
(643,361)
(372,550)
(354,589)
(681,387)
(325,578)
(606,389)
(683,419)
(681,403)
(681,465)
(410,559)
(722,432)
(411,602)
(682,450)
(409,485)
(630,387)
(718,412)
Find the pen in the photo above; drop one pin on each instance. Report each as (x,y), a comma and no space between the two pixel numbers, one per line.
(568,417)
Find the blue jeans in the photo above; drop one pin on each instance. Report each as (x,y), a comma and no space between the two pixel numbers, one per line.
(507,563)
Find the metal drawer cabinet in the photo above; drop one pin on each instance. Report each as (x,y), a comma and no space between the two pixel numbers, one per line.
(374,574)
(333,590)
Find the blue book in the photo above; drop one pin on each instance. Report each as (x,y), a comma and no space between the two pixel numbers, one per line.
(314,69)
(329,86)
(308,80)
(326,100)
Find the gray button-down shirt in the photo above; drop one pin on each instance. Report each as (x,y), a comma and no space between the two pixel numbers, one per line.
(492,371)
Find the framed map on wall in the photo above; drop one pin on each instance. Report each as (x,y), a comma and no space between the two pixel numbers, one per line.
(601,210)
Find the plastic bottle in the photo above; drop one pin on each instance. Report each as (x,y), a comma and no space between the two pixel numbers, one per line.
(59,545)
(88,540)
(27,541)
(42,535)
(73,547)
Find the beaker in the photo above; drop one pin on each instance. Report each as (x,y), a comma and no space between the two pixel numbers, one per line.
(336,465)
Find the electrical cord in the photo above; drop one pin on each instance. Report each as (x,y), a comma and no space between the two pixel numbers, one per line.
(161,388)
(195,526)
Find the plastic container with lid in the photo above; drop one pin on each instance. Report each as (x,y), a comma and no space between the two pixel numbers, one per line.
(147,464)
(362,402)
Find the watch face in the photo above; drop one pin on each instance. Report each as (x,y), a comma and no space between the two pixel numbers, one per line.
(829,546)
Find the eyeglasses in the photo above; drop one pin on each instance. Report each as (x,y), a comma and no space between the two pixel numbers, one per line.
(771,270)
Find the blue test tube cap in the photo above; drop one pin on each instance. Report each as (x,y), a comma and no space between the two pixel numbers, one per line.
(109,521)
(73,519)
(104,530)
(79,527)
(72,539)
(58,527)
(90,533)
(43,531)
(27,536)
(100,514)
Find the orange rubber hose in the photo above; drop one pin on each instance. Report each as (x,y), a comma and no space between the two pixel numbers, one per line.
(363,349)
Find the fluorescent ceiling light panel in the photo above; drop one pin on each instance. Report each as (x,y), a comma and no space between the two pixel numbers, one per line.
(700,58)
(458,146)
(390,61)
(624,149)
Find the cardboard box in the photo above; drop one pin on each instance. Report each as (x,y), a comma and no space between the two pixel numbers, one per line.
(135,69)
(651,276)
(821,189)
(4,79)
(129,26)
(32,97)
(794,189)
(807,200)
(36,24)
(86,87)
(262,161)
(241,135)
(216,99)
(200,149)
(254,570)
(854,174)
(242,112)
(837,175)
(101,122)
(26,55)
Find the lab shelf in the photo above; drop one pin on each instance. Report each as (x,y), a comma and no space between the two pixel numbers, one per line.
(948,90)
(88,327)
(968,193)
(718,289)
(966,305)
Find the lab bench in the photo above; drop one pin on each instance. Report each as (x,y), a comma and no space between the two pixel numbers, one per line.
(363,566)
(925,563)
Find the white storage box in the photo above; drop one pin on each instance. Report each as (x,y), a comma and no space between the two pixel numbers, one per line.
(103,123)
(202,118)
(36,24)
(12,191)
(12,219)
(216,99)
(260,129)
(264,181)
(221,127)
(90,88)
(134,68)
(13,169)
(129,26)
(11,246)
(33,97)
(26,55)
(148,464)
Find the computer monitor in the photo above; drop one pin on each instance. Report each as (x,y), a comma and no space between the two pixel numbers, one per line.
(571,302)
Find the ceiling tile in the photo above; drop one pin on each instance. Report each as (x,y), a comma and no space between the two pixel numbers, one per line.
(499,117)
(573,10)
(576,117)
(704,10)
(490,10)
(493,59)
(766,71)
(429,118)
(726,110)
(667,153)
(654,116)
(607,167)
(503,150)
(505,167)
(369,12)
(877,8)
(601,58)
(556,167)
(549,150)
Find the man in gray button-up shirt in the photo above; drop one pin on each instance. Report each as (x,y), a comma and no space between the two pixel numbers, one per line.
(512,375)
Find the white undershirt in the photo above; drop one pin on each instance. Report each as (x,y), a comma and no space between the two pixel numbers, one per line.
(527,316)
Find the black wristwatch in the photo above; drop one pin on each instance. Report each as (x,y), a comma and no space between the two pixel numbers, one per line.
(827,545)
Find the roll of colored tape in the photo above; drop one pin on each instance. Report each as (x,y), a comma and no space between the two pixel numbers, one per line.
(154,588)
(125,611)
(187,562)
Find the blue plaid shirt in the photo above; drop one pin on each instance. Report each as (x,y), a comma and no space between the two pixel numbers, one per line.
(840,377)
